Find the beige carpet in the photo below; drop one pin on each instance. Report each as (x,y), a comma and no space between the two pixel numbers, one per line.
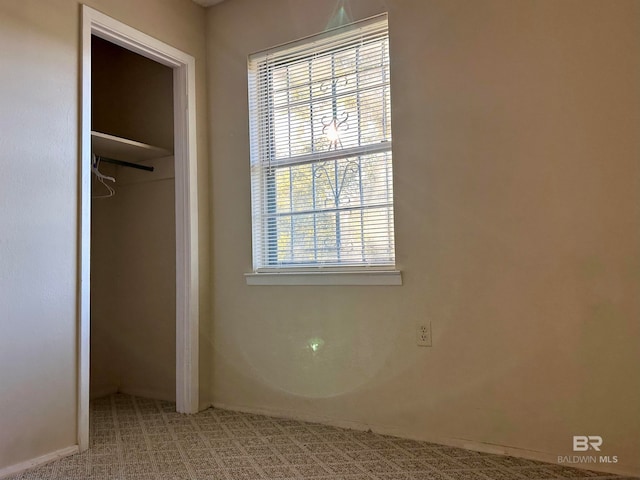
(136,438)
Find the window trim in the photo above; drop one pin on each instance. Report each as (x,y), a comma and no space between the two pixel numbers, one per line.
(357,274)
(362,276)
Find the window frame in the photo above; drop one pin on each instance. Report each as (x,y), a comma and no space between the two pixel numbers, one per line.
(309,273)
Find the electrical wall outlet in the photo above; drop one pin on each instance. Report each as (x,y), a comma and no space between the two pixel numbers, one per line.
(423,335)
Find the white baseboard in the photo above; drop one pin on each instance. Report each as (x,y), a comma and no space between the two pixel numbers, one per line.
(36,462)
(547,457)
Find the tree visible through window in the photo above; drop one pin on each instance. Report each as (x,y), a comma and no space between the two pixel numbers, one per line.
(322,189)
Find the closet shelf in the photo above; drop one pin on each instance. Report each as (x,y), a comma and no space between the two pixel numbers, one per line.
(105,145)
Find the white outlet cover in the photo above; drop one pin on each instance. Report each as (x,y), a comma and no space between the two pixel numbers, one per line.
(423,335)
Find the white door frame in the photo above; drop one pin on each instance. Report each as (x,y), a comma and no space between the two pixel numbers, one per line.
(186,194)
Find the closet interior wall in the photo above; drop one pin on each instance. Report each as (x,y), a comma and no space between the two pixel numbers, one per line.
(133,233)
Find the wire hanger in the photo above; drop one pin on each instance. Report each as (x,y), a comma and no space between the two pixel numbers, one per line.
(95,163)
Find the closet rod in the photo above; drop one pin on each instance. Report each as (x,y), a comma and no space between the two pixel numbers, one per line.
(126,164)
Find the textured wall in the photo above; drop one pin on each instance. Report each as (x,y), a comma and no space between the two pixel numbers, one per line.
(517,205)
(133,284)
(133,240)
(105,265)
(39,131)
(132,95)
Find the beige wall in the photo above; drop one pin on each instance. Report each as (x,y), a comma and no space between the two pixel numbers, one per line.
(517,206)
(132,96)
(39,54)
(146,343)
(133,273)
(517,197)
(104,365)
(133,241)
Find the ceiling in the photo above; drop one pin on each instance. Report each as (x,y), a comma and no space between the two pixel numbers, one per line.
(207,3)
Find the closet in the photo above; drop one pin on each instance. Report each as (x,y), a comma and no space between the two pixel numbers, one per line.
(133,244)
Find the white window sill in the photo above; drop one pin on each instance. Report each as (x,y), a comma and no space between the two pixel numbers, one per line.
(365,277)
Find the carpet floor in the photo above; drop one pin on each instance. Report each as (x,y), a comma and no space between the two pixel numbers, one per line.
(134,438)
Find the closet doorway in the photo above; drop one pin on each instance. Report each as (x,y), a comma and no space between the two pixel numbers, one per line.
(150,151)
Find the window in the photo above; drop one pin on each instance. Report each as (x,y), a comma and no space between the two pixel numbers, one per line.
(321,173)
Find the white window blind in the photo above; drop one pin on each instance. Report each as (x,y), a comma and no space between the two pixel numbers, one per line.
(320,129)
